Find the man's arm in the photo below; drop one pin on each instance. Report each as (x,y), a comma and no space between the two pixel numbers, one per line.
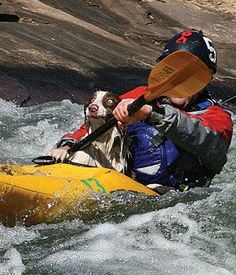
(206,135)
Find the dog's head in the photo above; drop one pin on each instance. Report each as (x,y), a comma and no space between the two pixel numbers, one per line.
(108,149)
(101,105)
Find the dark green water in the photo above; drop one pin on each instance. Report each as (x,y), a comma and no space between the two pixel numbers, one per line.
(181,233)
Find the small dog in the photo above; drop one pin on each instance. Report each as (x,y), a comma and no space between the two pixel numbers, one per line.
(107,150)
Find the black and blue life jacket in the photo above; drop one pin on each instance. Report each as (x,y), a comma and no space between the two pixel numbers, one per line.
(153,156)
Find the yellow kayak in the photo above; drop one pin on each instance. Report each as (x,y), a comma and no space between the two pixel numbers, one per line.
(33,194)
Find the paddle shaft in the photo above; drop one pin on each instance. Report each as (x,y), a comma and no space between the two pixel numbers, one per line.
(132,108)
(182,73)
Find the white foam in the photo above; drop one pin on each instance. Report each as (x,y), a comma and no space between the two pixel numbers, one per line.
(29,132)
(168,241)
(13,264)
(16,235)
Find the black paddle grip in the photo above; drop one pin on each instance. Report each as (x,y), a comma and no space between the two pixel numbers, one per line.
(136,105)
(44,160)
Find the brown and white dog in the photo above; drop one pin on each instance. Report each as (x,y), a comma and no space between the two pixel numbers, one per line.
(107,150)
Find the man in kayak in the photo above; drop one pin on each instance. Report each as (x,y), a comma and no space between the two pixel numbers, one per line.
(176,142)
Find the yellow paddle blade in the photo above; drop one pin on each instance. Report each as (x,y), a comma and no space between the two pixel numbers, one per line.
(180,74)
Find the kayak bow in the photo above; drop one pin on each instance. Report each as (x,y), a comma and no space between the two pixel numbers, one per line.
(47,194)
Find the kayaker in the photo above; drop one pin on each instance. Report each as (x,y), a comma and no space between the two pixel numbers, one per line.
(179,142)
(176,142)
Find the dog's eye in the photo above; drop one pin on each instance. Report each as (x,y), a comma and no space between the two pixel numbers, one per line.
(110,101)
(92,100)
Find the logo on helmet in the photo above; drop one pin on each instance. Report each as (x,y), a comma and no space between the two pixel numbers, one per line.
(184,37)
(212,51)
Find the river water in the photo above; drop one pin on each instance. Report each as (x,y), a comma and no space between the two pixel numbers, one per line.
(182,233)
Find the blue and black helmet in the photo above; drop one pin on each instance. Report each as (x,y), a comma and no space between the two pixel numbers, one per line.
(195,42)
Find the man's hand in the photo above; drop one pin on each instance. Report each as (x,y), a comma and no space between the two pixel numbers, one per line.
(60,154)
(122,115)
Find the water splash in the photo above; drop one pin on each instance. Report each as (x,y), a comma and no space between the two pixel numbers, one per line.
(27,132)
(12,263)
(182,233)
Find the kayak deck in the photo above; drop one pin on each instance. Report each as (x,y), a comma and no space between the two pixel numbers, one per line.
(35,194)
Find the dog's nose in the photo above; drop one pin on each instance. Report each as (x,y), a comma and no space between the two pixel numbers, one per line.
(93,108)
